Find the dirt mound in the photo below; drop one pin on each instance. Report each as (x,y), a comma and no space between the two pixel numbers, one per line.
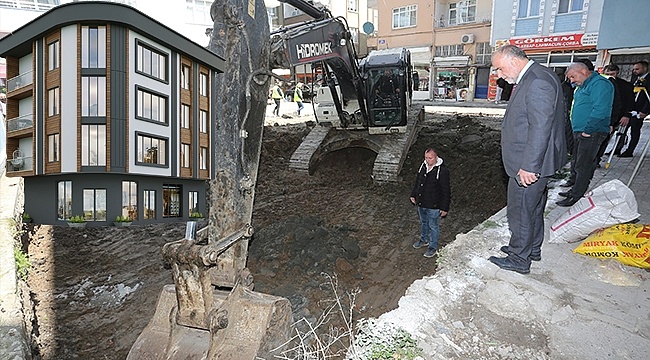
(95,289)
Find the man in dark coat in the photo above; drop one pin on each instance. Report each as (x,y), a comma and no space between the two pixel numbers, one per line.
(431,193)
(641,82)
(533,148)
(624,92)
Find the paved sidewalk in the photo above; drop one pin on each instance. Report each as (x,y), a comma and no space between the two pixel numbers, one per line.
(569,307)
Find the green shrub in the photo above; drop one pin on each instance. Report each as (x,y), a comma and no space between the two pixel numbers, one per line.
(196,215)
(121,218)
(22,263)
(77,219)
(26,216)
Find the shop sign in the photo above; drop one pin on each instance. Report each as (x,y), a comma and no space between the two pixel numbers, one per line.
(556,41)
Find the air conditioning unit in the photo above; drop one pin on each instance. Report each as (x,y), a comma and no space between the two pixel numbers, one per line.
(467,39)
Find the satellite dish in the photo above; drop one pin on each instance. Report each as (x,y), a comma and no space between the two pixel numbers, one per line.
(368,28)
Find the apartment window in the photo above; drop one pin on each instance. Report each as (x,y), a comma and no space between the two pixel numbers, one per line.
(528,8)
(353,5)
(567,6)
(462,12)
(93,96)
(185,77)
(93,47)
(93,145)
(151,150)
(171,201)
(185,155)
(149,205)
(151,106)
(53,55)
(185,116)
(53,148)
(405,16)
(483,53)
(95,204)
(53,101)
(203,159)
(198,12)
(130,199)
(203,84)
(450,50)
(203,121)
(193,202)
(151,62)
(64,200)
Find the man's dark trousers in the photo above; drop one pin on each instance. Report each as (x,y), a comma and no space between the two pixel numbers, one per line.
(635,134)
(526,219)
(584,161)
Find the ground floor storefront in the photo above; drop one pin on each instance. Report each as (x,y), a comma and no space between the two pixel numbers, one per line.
(100,198)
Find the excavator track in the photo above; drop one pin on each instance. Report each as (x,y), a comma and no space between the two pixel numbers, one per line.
(391,149)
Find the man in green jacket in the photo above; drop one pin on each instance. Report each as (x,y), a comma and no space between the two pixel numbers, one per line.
(590,116)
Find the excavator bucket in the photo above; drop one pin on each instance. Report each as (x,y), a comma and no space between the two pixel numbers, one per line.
(211,311)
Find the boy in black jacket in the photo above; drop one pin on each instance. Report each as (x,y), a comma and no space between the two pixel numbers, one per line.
(431,193)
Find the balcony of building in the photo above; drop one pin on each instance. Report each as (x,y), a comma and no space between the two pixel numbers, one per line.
(20,86)
(18,162)
(19,125)
(454,13)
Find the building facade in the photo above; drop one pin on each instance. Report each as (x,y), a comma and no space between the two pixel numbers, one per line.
(622,39)
(554,33)
(108,114)
(449,41)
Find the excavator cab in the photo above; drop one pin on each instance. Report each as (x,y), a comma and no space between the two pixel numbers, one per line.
(387,78)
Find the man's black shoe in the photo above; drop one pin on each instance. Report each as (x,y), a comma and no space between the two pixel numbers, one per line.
(568,201)
(506,250)
(507,264)
(564,193)
(625,155)
(569,183)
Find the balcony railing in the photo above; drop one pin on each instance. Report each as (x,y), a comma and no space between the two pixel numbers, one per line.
(20,123)
(19,164)
(464,20)
(19,81)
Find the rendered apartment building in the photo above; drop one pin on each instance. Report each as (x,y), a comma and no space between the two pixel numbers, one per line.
(449,42)
(108,113)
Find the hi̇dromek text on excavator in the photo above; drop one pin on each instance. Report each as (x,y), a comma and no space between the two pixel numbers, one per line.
(211,311)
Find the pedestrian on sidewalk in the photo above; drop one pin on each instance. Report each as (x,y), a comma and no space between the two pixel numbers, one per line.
(431,194)
(641,83)
(297,97)
(277,95)
(625,92)
(533,148)
(590,118)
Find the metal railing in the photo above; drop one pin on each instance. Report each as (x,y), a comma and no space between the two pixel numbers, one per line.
(20,123)
(463,20)
(19,81)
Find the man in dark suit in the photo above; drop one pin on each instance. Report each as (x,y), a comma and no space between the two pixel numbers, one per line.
(624,90)
(640,80)
(533,148)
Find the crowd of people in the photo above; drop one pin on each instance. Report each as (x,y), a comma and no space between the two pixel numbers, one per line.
(548,117)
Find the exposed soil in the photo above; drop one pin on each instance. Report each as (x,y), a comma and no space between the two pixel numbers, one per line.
(95,289)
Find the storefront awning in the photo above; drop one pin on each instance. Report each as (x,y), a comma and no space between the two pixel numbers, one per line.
(451,61)
(624,51)
(420,56)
